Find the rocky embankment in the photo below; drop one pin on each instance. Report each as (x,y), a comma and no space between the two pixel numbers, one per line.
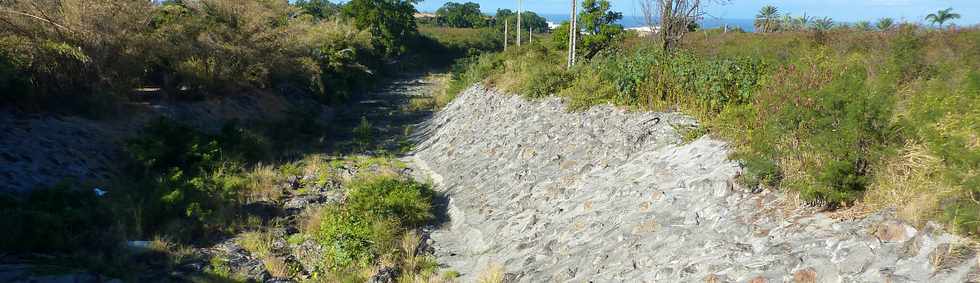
(41,150)
(607,195)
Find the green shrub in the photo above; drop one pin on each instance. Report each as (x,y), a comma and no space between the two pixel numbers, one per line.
(354,238)
(545,83)
(377,212)
(189,183)
(15,85)
(408,201)
(364,133)
(964,215)
(58,219)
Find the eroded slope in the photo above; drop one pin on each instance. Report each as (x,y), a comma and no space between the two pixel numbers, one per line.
(608,195)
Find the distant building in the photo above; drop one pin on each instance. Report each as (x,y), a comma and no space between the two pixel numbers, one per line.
(422,15)
(645,31)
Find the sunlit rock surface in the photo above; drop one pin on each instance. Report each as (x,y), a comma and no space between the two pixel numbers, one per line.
(607,195)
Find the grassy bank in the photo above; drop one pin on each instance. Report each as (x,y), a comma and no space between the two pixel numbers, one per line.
(842,118)
(52,60)
(184,189)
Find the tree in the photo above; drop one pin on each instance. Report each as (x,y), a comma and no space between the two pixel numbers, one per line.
(319,9)
(600,23)
(458,15)
(675,17)
(863,26)
(942,16)
(391,21)
(823,24)
(528,19)
(885,24)
(767,19)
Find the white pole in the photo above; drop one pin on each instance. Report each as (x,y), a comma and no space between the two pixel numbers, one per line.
(505,33)
(519,7)
(530,35)
(572,36)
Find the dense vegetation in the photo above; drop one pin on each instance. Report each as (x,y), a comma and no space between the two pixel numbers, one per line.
(184,188)
(95,53)
(844,116)
(468,15)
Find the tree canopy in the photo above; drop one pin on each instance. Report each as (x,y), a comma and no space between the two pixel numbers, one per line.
(528,19)
(319,9)
(391,21)
(942,16)
(767,19)
(466,15)
(599,21)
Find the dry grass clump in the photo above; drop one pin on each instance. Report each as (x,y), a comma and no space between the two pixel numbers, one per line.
(440,86)
(910,182)
(277,267)
(258,243)
(262,184)
(494,273)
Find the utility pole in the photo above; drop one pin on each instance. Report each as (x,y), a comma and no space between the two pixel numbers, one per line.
(505,33)
(530,35)
(572,34)
(520,5)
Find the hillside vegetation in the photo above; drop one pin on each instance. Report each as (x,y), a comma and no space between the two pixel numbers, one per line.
(184,189)
(840,116)
(89,56)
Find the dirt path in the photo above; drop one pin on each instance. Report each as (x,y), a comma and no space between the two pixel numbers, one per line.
(391,110)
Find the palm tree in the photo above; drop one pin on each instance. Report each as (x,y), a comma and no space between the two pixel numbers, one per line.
(823,24)
(766,19)
(885,24)
(802,21)
(942,16)
(786,22)
(863,26)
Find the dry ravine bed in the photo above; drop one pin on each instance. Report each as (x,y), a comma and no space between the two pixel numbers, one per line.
(607,195)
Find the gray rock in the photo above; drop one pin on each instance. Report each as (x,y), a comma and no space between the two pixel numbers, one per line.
(384,275)
(607,195)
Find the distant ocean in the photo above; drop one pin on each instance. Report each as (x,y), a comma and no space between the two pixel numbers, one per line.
(631,21)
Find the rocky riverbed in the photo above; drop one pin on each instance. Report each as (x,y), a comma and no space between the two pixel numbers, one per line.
(607,195)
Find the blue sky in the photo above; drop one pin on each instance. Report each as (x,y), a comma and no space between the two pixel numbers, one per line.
(840,10)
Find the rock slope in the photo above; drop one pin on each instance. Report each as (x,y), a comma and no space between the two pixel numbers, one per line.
(41,150)
(607,195)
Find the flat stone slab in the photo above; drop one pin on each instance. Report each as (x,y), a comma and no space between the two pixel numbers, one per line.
(607,195)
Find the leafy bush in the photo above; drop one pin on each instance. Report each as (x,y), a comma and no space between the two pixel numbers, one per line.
(364,133)
(353,238)
(15,85)
(58,219)
(367,226)
(408,201)
(190,182)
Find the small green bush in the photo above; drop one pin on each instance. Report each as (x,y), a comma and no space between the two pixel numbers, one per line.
(189,183)
(354,238)
(408,201)
(364,133)
(965,216)
(58,219)
(546,83)
(377,211)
